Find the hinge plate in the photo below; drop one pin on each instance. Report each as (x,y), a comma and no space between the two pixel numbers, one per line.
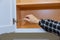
(14,20)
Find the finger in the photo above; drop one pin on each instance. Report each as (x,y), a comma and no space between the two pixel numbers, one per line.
(28,15)
(26,19)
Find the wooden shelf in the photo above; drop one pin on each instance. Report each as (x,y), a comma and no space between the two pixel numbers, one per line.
(39,6)
(27,2)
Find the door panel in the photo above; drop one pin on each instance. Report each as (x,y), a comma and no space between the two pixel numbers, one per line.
(5,10)
(40,14)
(6,16)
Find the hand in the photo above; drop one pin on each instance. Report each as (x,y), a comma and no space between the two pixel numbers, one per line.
(31,18)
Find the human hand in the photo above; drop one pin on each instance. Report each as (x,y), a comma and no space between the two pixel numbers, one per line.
(31,18)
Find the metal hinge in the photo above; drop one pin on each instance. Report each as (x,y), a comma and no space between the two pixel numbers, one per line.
(14,20)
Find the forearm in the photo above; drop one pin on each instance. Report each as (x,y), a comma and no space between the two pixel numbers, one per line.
(50,26)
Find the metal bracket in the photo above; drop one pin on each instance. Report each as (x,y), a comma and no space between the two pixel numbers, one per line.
(14,20)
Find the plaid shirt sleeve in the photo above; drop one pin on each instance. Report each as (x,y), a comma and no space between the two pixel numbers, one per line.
(50,26)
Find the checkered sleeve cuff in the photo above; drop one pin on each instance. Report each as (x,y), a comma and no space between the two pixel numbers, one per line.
(50,26)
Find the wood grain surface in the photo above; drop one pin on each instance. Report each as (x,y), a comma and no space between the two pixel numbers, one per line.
(40,14)
(40,9)
(24,2)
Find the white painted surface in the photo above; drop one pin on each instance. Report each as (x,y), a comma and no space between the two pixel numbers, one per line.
(30,39)
(31,30)
(7,12)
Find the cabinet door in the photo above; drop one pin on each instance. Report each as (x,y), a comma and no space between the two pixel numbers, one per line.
(7,13)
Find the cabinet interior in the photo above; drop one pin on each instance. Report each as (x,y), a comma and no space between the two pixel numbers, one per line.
(41,11)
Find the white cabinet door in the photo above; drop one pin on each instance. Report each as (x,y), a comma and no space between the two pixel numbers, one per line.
(7,13)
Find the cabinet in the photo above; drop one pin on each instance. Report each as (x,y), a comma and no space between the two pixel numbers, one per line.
(7,13)
(40,8)
(8,9)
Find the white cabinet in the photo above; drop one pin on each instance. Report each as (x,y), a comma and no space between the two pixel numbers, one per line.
(7,13)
